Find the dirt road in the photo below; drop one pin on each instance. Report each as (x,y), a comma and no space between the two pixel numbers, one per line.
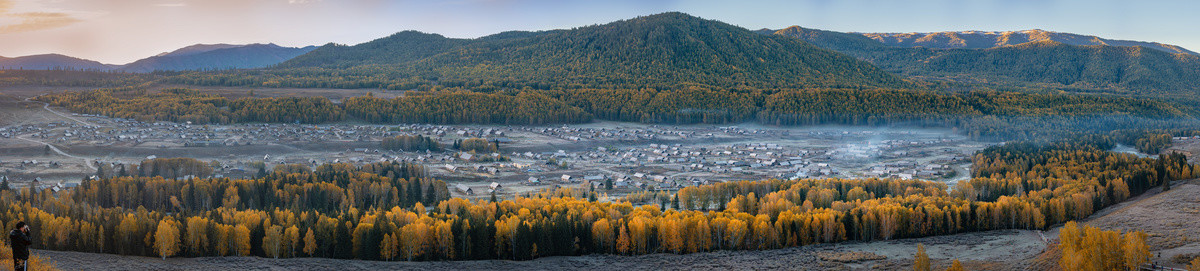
(86,161)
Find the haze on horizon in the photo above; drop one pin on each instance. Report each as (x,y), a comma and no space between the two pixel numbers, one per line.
(118,32)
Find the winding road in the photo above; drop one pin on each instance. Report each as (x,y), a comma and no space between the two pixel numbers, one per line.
(47,107)
(86,161)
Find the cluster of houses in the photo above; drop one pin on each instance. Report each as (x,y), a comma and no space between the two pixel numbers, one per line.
(647,157)
(115,130)
(656,166)
(908,170)
(640,181)
(38,183)
(671,166)
(493,187)
(626,134)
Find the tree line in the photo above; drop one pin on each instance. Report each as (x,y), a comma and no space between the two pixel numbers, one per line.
(445,107)
(214,216)
(682,105)
(378,211)
(460,107)
(982,115)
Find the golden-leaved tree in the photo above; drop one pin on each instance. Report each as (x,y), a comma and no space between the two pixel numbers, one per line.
(955,266)
(1090,248)
(166,238)
(921,259)
(310,243)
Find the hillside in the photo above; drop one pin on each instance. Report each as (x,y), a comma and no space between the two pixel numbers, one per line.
(666,50)
(669,47)
(403,47)
(993,39)
(832,40)
(51,62)
(217,57)
(1075,66)
(1039,64)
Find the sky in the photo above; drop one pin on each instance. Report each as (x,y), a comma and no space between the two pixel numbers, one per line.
(121,31)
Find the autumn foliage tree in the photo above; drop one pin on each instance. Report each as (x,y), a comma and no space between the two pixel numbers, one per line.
(921,260)
(1090,248)
(955,266)
(310,243)
(166,238)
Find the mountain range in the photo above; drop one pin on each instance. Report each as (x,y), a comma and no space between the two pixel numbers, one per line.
(993,39)
(674,50)
(195,57)
(657,51)
(1046,61)
(671,49)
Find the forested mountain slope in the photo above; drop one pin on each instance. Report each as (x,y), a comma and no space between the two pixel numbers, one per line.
(664,51)
(1046,63)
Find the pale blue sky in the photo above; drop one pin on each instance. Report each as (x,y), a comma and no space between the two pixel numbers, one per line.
(120,31)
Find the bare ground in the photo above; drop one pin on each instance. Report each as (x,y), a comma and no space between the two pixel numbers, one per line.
(981,251)
(1170,218)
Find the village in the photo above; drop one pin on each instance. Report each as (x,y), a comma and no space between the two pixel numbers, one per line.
(621,158)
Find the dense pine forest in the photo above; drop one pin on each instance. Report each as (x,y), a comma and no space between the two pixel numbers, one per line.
(390,211)
(989,115)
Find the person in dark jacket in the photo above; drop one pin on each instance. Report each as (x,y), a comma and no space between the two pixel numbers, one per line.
(18,238)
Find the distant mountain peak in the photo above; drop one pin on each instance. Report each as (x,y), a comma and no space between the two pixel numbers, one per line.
(669,15)
(198,48)
(217,56)
(794,28)
(51,61)
(976,39)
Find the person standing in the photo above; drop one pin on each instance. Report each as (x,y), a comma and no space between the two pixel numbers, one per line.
(19,240)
